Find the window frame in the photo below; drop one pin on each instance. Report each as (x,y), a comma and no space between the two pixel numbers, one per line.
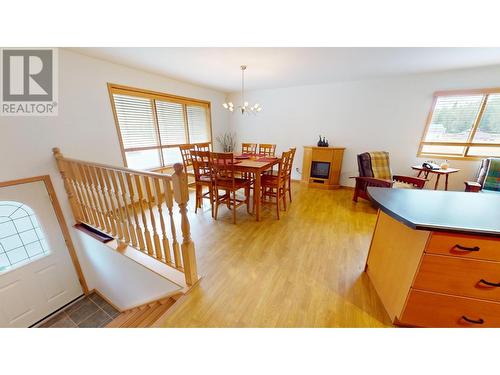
(153,96)
(469,143)
(30,214)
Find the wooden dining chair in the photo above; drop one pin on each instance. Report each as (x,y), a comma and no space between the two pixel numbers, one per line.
(274,185)
(203,178)
(249,148)
(288,187)
(186,161)
(186,155)
(267,149)
(222,168)
(202,146)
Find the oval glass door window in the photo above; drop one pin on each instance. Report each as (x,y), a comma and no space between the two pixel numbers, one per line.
(21,236)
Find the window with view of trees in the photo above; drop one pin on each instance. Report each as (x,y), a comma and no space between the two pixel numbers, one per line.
(463,124)
(152,125)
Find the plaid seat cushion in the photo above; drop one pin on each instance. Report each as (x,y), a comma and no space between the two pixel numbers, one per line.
(492,180)
(380,165)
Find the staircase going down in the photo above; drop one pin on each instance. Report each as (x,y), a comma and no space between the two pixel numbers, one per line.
(143,316)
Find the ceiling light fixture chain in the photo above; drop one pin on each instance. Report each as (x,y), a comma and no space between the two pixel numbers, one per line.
(244,107)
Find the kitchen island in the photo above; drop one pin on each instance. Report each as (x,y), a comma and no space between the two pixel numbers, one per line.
(434,259)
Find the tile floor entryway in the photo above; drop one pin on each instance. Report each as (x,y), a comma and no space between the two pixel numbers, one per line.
(91,311)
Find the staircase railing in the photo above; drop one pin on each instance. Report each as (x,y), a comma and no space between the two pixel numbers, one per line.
(134,207)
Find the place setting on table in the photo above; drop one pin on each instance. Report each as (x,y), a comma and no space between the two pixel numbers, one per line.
(252,159)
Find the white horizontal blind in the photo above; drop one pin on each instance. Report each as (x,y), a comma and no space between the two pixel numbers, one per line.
(171,123)
(199,130)
(136,122)
(151,125)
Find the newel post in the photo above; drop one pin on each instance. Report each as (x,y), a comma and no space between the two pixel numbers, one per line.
(67,185)
(181,196)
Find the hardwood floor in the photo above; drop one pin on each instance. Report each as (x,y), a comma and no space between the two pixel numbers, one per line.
(305,270)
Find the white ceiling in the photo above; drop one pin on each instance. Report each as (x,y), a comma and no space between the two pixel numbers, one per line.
(218,68)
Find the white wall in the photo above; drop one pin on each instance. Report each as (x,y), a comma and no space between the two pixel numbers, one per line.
(85,129)
(119,278)
(383,114)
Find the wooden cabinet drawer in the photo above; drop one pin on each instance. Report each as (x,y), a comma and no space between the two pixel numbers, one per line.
(464,246)
(427,309)
(459,276)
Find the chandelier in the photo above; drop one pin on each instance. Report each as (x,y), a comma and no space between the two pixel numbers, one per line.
(244,107)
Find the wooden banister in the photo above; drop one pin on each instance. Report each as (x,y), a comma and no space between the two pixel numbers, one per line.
(181,194)
(129,205)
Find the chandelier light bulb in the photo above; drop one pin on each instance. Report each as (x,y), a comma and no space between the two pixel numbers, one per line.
(225,105)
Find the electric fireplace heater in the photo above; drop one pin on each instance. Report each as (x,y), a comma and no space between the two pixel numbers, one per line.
(320,169)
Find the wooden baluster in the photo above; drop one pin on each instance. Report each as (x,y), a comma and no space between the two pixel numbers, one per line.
(169,201)
(88,194)
(181,195)
(93,195)
(149,201)
(147,234)
(76,187)
(86,201)
(128,228)
(99,194)
(61,165)
(164,240)
(106,196)
(116,213)
(138,230)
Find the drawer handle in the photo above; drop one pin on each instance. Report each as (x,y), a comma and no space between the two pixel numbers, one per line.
(465,248)
(479,321)
(489,283)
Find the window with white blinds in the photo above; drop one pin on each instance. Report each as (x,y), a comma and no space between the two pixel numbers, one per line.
(463,124)
(197,124)
(136,121)
(171,123)
(152,125)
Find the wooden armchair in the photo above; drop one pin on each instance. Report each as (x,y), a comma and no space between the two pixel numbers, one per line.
(487,179)
(374,170)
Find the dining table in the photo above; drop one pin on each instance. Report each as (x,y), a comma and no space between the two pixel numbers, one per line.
(256,165)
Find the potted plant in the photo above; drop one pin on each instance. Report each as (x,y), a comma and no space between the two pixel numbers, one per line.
(227,141)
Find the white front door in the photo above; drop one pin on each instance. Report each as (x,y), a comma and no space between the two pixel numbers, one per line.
(37,276)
